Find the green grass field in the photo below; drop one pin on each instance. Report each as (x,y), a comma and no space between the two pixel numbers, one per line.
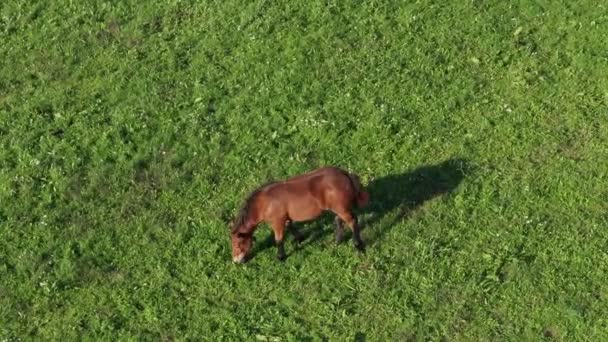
(131,131)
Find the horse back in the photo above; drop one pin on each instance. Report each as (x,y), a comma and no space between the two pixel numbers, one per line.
(323,171)
(306,196)
(328,186)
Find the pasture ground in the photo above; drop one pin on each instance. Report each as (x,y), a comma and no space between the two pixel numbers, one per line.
(130,131)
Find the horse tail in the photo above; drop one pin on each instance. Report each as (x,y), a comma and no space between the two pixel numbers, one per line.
(361,196)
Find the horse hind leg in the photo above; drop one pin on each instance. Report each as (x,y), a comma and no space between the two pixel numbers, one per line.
(351,220)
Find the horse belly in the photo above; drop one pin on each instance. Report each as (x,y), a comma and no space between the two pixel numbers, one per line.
(304,209)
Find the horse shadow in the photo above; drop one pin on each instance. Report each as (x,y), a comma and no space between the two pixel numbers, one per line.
(405,192)
(408,191)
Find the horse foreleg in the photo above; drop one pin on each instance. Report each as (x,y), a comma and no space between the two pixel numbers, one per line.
(279,232)
(297,235)
(339,229)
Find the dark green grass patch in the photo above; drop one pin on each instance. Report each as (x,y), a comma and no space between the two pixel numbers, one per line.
(130,132)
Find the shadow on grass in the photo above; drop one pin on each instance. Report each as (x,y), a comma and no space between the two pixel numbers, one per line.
(408,191)
(404,192)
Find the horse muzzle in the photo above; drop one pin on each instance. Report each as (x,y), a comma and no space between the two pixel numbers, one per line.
(239,259)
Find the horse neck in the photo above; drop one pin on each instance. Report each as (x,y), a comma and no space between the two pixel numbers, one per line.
(251,216)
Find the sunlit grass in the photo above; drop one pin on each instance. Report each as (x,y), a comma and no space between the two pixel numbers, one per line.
(130,132)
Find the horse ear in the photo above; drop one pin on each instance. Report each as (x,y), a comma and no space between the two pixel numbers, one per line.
(233,227)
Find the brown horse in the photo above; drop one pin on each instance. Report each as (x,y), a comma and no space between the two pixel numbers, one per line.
(300,198)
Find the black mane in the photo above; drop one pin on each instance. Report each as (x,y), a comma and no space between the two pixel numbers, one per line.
(241,217)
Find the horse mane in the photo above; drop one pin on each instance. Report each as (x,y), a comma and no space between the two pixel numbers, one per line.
(241,217)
